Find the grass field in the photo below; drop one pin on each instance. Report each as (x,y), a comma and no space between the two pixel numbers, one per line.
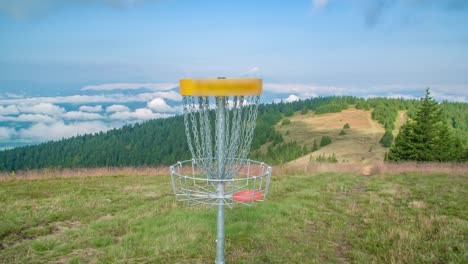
(321,218)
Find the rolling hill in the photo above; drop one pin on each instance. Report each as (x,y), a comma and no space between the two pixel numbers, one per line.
(359,144)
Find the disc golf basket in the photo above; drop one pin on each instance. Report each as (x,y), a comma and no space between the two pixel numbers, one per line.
(219,117)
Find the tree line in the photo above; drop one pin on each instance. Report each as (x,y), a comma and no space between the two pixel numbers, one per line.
(151,143)
(163,141)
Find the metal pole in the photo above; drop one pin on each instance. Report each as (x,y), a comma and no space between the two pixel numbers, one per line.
(220,156)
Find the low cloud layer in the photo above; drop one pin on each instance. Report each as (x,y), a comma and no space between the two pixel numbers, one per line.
(117,108)
(6,133)
(59,130)
(9,110)
(91,109)
(159,105)
(42,108)
(138,114)
(86,99)
(38,119)
(80,115)
(302,91)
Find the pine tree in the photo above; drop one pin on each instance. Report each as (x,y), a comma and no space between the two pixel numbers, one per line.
(427,137)
(387,139)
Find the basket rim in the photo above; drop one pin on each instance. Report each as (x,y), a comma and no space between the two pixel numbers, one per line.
(267,170)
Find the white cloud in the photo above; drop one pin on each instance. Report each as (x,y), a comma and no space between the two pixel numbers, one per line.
(9,110)
(130,86)
(29,118)
(35,118)
(79,115)
(117,108)
(42,108)
(91,109)
(83,99)
(159,105)
(138,114)
(6,133)
(58,130)
(440,96)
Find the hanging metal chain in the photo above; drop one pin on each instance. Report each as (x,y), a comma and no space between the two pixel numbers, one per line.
(239,114)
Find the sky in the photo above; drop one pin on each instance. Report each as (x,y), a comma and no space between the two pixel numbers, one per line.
(82,66)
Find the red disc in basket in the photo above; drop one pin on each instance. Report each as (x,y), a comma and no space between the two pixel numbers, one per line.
(247,196)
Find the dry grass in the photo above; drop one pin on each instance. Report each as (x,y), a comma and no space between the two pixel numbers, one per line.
(83,172)
(374,169)
(360,144)
(290,168)
(421,167)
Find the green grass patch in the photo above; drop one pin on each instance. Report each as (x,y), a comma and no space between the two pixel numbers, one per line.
(325,218)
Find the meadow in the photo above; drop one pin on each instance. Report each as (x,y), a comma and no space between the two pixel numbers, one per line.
(308,218)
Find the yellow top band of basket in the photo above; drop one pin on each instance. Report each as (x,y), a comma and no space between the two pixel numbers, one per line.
(220,87)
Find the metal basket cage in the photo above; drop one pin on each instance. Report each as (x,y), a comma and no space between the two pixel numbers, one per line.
(249,185)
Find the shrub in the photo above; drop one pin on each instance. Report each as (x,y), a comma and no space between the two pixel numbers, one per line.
(315,146)
(342,132)
(285,122)
(326,140)
(346,126)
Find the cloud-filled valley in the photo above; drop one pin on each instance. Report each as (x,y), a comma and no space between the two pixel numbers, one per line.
(29,120)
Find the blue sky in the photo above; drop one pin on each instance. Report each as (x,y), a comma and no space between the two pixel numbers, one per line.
(50,50)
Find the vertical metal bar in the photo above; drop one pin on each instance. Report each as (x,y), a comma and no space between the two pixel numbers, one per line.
(220,156)
(220,227)
(220,135)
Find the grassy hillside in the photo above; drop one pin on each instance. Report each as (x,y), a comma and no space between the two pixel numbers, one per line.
(359,144)
(324,218)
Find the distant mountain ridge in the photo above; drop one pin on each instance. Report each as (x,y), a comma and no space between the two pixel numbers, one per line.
(162,141)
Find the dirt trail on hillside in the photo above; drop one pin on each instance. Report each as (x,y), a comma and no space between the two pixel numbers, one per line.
(401,119)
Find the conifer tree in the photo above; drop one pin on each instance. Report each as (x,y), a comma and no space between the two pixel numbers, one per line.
(387,139)
(427,137)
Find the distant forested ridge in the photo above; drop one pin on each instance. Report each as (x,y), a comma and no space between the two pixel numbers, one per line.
(163,142)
